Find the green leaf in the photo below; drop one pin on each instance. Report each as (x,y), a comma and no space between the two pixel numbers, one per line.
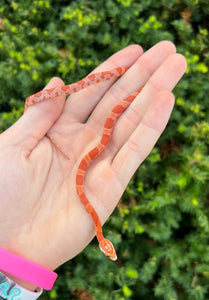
(132,273)
(126,291)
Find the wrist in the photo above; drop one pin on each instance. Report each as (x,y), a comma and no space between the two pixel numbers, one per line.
(25,284)
(29,274)
(9,289)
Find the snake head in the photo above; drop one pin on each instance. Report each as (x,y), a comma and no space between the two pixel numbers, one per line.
(108,249)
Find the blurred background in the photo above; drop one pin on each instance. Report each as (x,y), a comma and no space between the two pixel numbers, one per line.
(161,225)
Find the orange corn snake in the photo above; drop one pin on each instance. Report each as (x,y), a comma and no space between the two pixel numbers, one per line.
(104,244)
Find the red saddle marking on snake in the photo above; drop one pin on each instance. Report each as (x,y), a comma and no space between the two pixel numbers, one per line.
(104,244)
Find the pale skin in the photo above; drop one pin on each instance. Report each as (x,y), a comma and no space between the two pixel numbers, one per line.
(42,218)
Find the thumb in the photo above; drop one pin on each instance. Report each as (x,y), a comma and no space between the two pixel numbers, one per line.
(37,120)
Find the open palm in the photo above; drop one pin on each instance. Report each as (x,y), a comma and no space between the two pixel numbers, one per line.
(42,218)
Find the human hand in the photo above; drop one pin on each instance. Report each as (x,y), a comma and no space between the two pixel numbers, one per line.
(42,218)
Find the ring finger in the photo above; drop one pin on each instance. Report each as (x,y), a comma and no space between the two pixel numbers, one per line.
(165,78)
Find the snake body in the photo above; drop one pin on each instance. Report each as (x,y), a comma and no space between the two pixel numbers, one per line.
(104,244)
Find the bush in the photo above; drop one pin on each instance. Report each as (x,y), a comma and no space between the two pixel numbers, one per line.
(161,228)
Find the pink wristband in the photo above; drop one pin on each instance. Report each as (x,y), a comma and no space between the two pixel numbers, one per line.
(26,270)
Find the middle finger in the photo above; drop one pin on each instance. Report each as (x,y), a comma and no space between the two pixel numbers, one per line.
(132,80)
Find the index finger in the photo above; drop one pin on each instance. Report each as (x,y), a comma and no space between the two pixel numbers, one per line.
(81,104)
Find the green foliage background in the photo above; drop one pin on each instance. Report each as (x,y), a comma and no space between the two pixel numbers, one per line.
(161,228)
